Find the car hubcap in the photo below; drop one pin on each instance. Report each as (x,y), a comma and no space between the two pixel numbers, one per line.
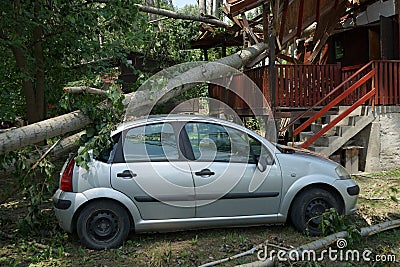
(314,211)
(103,225)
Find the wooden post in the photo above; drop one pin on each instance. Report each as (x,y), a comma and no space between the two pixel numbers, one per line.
(205,51)
(271,45)
(223,50)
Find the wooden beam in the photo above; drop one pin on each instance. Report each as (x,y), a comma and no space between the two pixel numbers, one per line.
(300,19)
(283,19)
(248,29)
(276,13)
(237,7)
(317,11)
(288,58)
(271,46)
(325,28)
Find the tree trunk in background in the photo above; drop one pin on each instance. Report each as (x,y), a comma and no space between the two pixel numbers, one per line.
(140,102)
(202,6)
(39,67)
(27,85)
(217,8)
(209,9)
(171,4)
(150,15)
(33,78)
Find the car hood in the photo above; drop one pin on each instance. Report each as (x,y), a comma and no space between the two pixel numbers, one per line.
(302,163)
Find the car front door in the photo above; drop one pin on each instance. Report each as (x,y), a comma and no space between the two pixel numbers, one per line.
(154,174)
(227,180)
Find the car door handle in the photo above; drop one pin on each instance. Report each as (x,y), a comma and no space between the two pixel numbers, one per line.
(204,172)
(126,174)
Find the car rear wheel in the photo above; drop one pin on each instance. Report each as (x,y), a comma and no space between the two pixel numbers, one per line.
(308,207)
(103,224)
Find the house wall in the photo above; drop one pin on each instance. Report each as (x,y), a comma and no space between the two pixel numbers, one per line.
(381,141)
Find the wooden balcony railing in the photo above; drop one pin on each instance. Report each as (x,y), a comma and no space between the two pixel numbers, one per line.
(305,86)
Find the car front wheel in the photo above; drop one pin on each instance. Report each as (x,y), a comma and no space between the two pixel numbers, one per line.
(103,224)
(307,209)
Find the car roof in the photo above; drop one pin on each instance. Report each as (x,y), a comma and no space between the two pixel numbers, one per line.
(173,117)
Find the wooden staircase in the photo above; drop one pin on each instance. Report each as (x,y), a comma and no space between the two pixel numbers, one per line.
(326,134)
(341,134)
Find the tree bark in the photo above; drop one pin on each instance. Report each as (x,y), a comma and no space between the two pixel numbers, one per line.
(202,6)
(84,89)
(27,84)
(217,8)
(140,103)
(175,15)
(209,8)
(65,146)
(39,65)
(328,240)
(150,3)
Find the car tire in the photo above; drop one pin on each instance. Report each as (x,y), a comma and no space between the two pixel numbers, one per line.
(103,224)
(308,207)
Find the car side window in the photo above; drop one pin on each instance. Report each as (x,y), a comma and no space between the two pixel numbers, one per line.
(257,149)
(212,142)
(153,142)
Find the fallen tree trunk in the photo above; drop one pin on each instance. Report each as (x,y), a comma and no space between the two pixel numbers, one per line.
(139,102)
(64,147)
(37,132)
(326,241)
(175,15)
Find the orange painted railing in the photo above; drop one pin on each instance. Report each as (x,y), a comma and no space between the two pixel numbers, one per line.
(387,82)
(354,86)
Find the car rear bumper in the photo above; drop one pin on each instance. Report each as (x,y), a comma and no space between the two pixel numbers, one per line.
(65,206)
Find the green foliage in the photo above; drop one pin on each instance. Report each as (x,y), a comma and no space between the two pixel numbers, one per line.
(74,40)
(105,114)
(171,39)
(36,183)
(332,222)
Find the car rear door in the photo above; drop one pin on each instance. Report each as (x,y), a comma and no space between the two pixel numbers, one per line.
(227,180)
(153,172)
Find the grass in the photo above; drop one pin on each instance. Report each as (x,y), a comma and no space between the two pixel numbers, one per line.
(50,246)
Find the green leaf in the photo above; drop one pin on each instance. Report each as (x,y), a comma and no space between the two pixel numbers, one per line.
(90,132)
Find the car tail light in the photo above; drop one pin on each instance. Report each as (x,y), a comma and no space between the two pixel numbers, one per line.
(66,177)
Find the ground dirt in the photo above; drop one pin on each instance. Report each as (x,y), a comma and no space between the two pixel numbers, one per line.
(48,245)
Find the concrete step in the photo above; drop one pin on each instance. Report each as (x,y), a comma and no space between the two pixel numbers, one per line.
(317,127)
(347,133)
(340,130)
(357,112)
(344,121)
(322,141)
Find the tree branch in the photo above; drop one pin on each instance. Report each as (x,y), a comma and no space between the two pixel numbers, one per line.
(84,89)
(175,15)
(141,102)
(326,241)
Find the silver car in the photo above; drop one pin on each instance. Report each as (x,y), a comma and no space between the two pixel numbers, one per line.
(184,172)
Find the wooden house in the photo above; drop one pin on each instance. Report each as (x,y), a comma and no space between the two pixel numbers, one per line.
(331,65)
